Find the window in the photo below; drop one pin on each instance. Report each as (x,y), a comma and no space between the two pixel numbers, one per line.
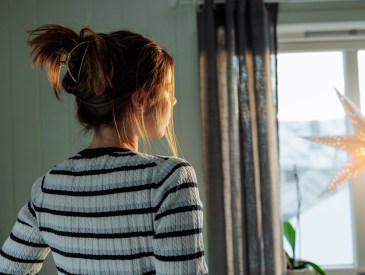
(309,106)
(361,65)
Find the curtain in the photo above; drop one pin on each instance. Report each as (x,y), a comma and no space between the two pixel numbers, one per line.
(237,58)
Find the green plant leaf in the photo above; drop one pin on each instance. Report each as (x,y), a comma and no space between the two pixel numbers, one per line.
(315,267)
(289,233)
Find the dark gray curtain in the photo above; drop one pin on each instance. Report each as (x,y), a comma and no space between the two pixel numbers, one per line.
(237,51)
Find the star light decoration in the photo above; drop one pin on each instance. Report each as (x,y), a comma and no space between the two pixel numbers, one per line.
(353,144)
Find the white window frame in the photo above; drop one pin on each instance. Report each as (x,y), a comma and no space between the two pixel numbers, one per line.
(352,91)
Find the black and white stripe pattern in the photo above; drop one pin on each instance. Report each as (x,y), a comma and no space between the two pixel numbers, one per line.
(111,211)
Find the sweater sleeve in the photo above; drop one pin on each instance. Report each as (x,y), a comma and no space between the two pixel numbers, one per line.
(178,222)
(24,250)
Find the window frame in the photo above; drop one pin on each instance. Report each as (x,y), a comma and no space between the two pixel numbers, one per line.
(352,91)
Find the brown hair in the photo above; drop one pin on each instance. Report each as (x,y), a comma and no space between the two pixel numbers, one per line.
(103,72)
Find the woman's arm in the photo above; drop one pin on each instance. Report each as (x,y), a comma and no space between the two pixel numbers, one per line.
(24,250)
(178,223)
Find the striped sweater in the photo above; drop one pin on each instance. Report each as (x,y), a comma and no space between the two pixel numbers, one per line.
(111,211)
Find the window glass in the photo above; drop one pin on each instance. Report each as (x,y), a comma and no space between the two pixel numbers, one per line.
(308,107)
(361,63)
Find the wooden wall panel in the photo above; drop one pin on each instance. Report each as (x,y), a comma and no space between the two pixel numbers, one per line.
(135,14)
(25,103)
(108,19)
(187,87)
(7,199)
(54,116)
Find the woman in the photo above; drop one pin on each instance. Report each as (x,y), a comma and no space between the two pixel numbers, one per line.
(111,209)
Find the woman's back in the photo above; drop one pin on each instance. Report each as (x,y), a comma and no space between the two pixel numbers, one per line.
(113,211)
(110,210)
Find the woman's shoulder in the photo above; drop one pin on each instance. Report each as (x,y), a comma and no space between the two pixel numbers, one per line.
(170,162)
(169,167)
(163,160)
(174,169)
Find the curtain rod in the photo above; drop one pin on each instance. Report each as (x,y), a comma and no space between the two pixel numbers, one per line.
(175,3)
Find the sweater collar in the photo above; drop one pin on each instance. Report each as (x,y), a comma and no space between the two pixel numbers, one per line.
(95,152)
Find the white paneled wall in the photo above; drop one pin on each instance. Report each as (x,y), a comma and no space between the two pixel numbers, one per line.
(37,130)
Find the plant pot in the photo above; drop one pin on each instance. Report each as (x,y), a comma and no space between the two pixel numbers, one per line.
(302,271)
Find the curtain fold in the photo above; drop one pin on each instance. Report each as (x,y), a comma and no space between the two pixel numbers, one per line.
(237,52)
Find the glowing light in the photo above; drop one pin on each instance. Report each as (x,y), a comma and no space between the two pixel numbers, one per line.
(353,144)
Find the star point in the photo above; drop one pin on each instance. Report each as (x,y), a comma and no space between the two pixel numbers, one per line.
(354,144)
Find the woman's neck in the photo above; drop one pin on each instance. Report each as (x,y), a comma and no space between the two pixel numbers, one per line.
(106,136)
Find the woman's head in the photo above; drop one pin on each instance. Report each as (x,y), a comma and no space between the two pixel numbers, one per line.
(120,79)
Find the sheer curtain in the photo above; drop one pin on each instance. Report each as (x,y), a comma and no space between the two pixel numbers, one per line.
(237,51)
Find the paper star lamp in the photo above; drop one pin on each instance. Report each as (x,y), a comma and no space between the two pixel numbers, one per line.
(354,144)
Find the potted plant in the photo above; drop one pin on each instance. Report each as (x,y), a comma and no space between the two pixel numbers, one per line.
(294,265)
